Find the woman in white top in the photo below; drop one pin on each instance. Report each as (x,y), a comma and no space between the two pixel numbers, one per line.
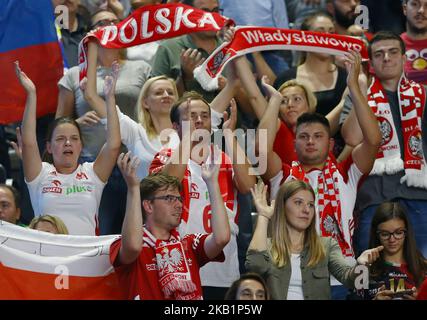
(298,262)
(61,186)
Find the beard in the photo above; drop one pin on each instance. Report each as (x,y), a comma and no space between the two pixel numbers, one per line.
(414,29)
(343,20)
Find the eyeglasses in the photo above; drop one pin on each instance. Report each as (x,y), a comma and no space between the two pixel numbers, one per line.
(398,234)
(105,22)
(169,198)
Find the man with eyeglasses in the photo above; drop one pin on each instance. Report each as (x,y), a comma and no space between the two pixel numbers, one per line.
(9,204)
(415,39)
(152,260)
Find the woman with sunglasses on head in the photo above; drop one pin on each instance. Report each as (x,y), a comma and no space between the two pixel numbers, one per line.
(401,268)
(73,103)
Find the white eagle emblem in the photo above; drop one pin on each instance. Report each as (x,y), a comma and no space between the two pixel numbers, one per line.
(169,261)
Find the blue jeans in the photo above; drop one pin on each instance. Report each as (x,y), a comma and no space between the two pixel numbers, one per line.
(416,211)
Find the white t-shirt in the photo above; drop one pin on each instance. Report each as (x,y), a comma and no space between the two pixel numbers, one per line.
(72,197)
(295,283)
(135,137)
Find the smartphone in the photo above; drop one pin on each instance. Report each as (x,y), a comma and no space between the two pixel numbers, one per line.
(400,294)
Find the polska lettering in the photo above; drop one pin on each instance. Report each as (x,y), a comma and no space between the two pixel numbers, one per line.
(165,22)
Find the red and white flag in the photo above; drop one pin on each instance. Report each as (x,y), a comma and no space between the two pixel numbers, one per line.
(40,265)
(252,39)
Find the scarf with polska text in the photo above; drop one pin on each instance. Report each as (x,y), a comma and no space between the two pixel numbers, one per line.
(172,267)
(252,39)
(151,23)
(412,98)
(328,203)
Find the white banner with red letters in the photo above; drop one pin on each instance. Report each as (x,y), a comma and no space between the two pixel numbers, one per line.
(151,23)
(252,39)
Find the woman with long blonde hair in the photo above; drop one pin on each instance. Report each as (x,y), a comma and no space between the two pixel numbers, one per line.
(296,263)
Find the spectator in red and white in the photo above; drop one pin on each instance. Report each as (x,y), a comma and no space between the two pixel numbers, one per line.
(336,183)
(191,117)
(152,259)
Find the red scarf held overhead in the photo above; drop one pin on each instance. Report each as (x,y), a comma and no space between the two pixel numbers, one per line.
(412,99)
(328,202)
(172,267)
(253,39)
(152,23)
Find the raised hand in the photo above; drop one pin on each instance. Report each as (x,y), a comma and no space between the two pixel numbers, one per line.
(230,122)
(190,59)
(128,165)
(210,168)
(17,146)
(269,89)
(352,62)
(259,194)
(369,256)
(229,34)
(24,80)
(111,80)
(90,118)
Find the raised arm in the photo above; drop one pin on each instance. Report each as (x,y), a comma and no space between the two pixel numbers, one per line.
(265,212)
(30,151)
(363,154)
(269,124)
(132,224)
(90,91)
(220,235)
(242,179)
(106,158)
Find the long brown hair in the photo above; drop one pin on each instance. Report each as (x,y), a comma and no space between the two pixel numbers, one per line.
(281,241)
(417,265)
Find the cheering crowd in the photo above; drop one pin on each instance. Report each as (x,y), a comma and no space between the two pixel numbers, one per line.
(299,167)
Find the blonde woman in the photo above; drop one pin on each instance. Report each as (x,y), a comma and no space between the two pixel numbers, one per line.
(48,223)
(297,263)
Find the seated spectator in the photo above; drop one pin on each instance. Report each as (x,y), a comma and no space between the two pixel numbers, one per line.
(59,185)
(10,210)
(250,286)
(298,262)
(157,263)
(400,266)
(48,223)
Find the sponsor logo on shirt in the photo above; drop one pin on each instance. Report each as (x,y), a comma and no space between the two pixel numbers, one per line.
(194,195)
(54,189)
(81,175)
(77,189)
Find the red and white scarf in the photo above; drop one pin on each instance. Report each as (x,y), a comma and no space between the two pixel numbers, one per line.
(412,99)
(151,23)
(172,267)
(252,39)
(328,203)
